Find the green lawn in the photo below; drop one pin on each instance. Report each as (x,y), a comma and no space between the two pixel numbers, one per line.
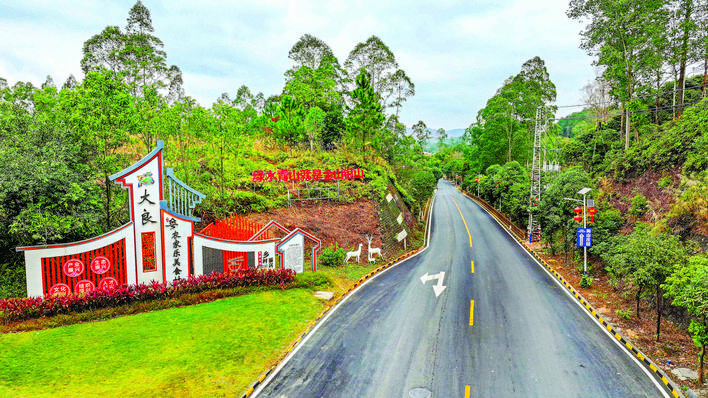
(206,350)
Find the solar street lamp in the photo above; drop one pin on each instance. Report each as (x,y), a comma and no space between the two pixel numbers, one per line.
(584,192)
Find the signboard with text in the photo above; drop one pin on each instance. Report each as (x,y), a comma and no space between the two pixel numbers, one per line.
(306,175)
(583,237)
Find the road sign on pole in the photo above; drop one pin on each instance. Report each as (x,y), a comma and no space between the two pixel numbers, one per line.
(583,237)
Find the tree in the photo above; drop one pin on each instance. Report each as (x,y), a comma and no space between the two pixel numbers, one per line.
(333,126)
(143,52)
(311,52)
(104,51)
(554,211)
(47,190)
(688,287)
(421,132)
(288,122)
(70,83)
(399,90)
(618,34)
(377,59)
(49,82)
(314,123)
(226,129)
(102,110)
(367,116)
(442,136)
(645,261)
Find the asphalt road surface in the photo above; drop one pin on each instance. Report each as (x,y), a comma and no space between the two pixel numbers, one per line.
(500,327)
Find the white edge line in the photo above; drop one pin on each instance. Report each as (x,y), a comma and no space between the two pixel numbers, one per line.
(312,331)
(661,387)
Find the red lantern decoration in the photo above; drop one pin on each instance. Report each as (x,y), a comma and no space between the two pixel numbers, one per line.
(578,218)
(578,210)
(592,210)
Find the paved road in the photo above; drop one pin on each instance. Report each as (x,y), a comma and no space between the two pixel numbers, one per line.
(501,328)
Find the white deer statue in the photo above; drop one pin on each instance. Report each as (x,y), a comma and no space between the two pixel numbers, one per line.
(373,250)
(354,254)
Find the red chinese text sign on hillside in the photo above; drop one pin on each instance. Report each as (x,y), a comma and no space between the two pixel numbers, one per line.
(307,175)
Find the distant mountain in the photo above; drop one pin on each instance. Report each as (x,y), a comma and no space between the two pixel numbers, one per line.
(454,133)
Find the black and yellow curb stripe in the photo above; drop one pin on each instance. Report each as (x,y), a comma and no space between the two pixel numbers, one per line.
(329,307)
(670,385)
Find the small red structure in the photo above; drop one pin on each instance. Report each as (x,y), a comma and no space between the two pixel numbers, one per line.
(237,229)
(233,228)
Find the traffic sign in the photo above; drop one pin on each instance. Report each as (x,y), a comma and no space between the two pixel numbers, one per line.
(583,237)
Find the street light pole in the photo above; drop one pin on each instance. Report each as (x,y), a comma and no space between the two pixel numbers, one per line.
(584,192)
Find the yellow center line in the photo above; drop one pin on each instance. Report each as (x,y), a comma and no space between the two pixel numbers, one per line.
(471,312)
(473,266)
(463,220)
(467,391)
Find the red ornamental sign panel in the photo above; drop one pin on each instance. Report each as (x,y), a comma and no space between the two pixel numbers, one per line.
(73,267)
(84,287)
(306,175)
(108,284)
(60,289)
(100,265)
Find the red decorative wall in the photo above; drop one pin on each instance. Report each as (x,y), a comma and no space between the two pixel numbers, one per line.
(53,267)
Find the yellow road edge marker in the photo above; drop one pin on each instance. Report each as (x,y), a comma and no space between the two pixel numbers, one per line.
(473,266)
(463,220)
(471,312)
(467,391)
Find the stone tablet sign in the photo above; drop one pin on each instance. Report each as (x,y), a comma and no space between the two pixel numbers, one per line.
(294,253)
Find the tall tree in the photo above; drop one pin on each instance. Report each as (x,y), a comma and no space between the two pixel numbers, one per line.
(311,52)
(70,83)
(617,33)
(104,51)
(377,59)
(421,132)
(102,110)
(442,136)
(367,116)
(399,90)
(688,287)
(314,123)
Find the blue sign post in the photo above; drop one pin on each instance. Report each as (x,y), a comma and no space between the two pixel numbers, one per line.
(583,237)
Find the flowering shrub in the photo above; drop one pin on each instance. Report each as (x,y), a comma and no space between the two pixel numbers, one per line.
(18,309)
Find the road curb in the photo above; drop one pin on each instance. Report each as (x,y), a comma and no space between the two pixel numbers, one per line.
(670,385)
(342,296)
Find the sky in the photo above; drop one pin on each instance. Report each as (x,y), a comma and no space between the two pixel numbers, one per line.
(457,53)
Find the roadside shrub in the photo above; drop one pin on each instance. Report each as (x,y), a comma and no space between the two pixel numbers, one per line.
(331,257)
(18,309)
(624,314)
(585,281)
(312,280)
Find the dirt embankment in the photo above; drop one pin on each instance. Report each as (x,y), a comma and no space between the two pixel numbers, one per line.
(342,224)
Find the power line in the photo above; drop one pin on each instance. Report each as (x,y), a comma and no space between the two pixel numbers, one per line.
(648,96)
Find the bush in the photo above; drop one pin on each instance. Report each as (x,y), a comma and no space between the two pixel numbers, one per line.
(312,280)
(331,257)
(585,281)
(624,314)
(638,206)
(19,309)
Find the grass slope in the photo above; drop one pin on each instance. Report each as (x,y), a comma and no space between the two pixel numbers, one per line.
(207,350)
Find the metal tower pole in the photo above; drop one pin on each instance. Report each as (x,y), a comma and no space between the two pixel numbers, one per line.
(535,198)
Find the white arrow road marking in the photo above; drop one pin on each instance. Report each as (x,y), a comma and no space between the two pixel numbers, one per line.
(438,287)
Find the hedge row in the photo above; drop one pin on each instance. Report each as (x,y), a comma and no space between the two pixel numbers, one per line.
(19,309)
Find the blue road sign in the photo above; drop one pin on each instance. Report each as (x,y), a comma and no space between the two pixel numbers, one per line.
(583,237)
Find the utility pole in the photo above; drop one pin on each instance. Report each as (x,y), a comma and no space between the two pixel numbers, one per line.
(534,227)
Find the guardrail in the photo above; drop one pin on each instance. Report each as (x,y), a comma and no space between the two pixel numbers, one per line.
(520,233)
